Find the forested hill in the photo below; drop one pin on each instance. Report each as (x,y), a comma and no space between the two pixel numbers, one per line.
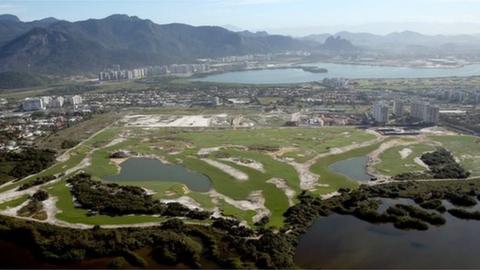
(53,46)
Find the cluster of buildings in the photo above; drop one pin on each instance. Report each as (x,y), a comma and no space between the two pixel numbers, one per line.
(242,58)
(21,129)
(337,83)
(425,112)
(179,69)
(117,74)
(419,111)
(50,102)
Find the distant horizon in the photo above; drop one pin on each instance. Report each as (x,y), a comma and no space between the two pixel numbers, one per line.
(356,29)
(287,17)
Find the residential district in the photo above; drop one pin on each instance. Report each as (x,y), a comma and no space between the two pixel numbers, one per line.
(324,103)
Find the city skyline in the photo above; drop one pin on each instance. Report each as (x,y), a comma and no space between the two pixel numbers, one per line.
(297,18)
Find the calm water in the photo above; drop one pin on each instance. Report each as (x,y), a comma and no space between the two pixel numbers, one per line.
(147,170)
(347,242)
(354,168)
(338,71)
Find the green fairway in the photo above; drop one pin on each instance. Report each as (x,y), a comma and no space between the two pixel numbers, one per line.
(335,180)
(465,148)
(393,164)
(70,214)
(14,203)
(261,157)
(235,143)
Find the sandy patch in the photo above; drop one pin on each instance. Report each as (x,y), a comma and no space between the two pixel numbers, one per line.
(420,162)
(12,211)
(329,195)
(246,162)
(49,205)
(308,180)
(207,151)
(115,142)
(239,175)
(405,152)
(151,121)
(187,201)
(63,157)
(255,202)
(437,131)
(285,150)
(282,185)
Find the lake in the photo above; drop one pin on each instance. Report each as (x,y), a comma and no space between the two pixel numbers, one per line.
(279,76)
(347,242)
(149,170)
(353,168)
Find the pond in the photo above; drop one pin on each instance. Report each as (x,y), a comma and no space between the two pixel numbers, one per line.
(151,170)
(274,76)
(347,242)
(353,168)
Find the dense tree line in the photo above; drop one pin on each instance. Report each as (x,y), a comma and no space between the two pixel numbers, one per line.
(28,161)
(36,182)
(170,243)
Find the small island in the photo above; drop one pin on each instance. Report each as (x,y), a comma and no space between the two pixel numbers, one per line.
(314,69)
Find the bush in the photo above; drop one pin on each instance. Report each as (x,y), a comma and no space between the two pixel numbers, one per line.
(36,182)
(463,214)
(408,223)
(40,195)
(67,144)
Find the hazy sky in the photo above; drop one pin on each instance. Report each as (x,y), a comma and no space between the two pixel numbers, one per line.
(296,17)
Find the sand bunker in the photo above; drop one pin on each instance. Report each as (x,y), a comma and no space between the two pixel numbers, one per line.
(172,121)
(246,162)
(239,175)
(405,152)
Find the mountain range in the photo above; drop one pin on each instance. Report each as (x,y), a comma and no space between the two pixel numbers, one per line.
(55,46)
(409,42)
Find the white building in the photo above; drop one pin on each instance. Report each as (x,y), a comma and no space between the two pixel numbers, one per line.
(74,100)
(432,113)
(426,112)
(57,102)
(380,112)
(33,104)
(398,108)
(46,100)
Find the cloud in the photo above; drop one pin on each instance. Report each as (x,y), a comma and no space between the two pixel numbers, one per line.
(5,8)
(251,2)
